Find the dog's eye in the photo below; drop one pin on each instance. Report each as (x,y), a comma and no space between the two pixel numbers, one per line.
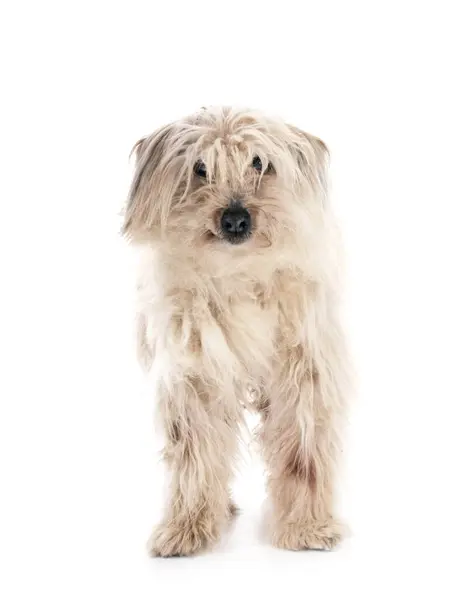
(258,165)
(200,169)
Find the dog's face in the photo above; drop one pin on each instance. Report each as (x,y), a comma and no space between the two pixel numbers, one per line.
(226,180)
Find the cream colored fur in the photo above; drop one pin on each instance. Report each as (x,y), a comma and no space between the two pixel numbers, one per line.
(215,319)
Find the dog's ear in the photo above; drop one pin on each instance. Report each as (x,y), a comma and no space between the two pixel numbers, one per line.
(141,206)
(313,159)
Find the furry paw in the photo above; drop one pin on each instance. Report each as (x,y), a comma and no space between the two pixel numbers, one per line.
(313,535)
(182,538)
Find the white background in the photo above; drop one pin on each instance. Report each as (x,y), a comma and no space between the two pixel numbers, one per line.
(384,84)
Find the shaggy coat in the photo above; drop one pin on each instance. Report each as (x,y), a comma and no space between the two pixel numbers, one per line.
(216,319)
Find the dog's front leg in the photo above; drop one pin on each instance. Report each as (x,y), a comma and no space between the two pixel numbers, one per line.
(201,437)
(301,444)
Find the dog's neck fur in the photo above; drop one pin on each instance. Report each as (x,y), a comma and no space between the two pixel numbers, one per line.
(243,276)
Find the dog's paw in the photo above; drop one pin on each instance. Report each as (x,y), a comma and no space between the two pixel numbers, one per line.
(314,535)
(182,539)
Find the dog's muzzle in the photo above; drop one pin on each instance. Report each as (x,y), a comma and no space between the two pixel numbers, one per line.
(236,224)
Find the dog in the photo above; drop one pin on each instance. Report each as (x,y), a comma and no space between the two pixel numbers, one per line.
(239,291)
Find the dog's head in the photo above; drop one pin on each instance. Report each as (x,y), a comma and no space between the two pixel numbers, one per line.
(226,180)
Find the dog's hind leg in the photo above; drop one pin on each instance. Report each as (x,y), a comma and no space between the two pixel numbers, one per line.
(201,445)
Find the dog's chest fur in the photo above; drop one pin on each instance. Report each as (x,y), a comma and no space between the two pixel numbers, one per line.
(228,328)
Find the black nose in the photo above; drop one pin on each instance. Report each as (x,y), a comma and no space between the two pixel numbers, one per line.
(236,223)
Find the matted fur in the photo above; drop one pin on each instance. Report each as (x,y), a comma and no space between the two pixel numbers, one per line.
(215,319)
